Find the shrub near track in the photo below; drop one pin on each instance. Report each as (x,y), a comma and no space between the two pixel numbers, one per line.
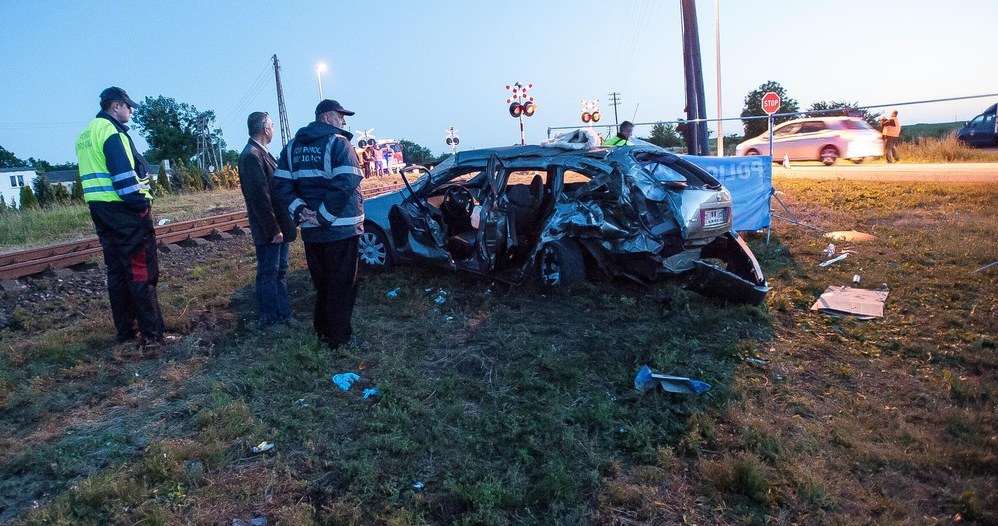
(515,406)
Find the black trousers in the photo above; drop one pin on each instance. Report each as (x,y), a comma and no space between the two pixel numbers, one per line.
(129,242)
(333,267)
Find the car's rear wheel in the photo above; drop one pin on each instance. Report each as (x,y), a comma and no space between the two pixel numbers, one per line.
(858,160)
(561,264)
(375,252)
(753,151)
(829,154)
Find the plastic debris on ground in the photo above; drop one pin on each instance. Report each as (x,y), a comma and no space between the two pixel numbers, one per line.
(261,447)
(345,380)
(850,236)
(418,485)
(856,279)
(847,301)
(255,521)
(441,297)
(756,361)
(371,391)
(301,402)
(833,260)
(394,293)
(163,221)
(646,379)
(829,251)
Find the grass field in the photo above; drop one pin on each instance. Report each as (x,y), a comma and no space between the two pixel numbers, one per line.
(517,406)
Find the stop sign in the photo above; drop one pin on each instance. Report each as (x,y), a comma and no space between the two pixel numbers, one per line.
(770,103)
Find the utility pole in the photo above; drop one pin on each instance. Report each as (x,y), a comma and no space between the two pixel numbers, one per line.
(281,109)
(696,140)
(615,101)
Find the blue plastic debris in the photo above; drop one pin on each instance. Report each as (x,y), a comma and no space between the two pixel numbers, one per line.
(372,391)
(393,293)
(756,361)
(646,379)
(345,380)
(418,485)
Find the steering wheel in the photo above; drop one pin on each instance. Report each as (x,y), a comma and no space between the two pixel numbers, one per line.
(458,201)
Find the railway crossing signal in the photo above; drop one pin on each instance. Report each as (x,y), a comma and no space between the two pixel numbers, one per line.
(521,105)
(590,110)
(452,140)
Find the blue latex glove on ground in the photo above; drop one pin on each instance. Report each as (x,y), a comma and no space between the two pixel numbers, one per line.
(345,380)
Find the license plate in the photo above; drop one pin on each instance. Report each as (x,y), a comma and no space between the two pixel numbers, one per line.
(713,217)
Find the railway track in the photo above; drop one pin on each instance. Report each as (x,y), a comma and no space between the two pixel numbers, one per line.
(15,265)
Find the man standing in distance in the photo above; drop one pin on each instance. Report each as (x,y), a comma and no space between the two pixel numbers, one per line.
(270,224)
(318,181)
(623,137)
(892,133)
(116,188)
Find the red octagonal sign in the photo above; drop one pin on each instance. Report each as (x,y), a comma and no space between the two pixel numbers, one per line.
(770,103)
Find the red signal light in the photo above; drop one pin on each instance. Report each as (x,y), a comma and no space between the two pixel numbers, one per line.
(515,109)
(586,117)
(529,108)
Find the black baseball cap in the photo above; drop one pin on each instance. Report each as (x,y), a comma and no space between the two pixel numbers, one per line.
(328,105)
(115,93)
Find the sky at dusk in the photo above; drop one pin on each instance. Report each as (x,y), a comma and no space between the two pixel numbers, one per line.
(411,69)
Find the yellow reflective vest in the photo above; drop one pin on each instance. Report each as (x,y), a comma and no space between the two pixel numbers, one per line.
(108,167)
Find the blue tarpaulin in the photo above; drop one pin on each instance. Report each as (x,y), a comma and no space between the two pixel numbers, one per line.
(750,180)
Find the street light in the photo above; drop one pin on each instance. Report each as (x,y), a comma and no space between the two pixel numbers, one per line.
(319,69)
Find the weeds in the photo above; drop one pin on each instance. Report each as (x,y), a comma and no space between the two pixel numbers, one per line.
(943,150)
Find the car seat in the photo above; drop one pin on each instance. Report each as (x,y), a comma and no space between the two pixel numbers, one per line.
(525,204)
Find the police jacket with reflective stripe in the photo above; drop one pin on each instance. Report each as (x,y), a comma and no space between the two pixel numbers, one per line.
(111,169)
(318,169)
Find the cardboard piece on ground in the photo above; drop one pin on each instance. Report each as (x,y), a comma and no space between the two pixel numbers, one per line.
(844,301)
(850,235)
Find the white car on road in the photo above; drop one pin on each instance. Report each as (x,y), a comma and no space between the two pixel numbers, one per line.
(822,139)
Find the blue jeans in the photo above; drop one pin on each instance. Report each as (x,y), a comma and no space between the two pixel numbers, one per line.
(272,283)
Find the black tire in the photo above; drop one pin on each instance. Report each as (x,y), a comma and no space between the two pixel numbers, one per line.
(560,264)
(858,160)
(829,154)
(375,251)
(752,151)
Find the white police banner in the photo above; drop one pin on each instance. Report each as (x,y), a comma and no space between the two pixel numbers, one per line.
(750,180)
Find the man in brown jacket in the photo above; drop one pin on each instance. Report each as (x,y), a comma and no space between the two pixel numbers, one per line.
(270,224)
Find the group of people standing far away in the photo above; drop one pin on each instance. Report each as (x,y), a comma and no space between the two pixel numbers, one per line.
(891,132)
(315,185)
(375,161)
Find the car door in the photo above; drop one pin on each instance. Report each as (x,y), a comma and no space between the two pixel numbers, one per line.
(493,229)
(416,230)
(808,141)
(783,137)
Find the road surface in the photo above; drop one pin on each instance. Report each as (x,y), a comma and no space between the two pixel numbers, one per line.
(899,172)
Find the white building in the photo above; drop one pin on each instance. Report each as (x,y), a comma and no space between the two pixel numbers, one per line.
(11,181)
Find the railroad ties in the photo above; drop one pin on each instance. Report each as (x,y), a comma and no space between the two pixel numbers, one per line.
(16,265)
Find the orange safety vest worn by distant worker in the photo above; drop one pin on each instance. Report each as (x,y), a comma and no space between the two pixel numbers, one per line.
(892,127)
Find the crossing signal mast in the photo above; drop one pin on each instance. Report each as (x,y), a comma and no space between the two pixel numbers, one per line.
(367,138)
(521,105)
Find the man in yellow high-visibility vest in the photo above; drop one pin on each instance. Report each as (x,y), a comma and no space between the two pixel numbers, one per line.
(116,188)
(623,137)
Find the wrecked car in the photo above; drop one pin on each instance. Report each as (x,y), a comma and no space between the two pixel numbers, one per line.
(561,215)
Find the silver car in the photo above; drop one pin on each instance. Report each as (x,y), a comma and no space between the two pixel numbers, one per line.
(822,139)
(563,215)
